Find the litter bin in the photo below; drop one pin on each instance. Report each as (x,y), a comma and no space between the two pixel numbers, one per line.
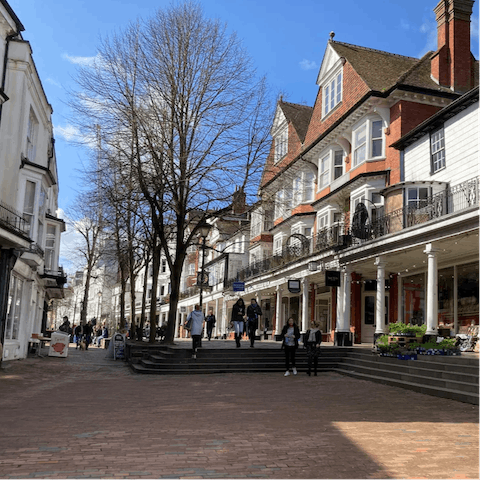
(59,344)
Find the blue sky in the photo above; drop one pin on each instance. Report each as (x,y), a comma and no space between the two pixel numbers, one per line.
(285,39)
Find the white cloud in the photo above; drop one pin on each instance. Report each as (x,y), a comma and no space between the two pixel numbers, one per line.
(429,29)
(53,82)
(68,133)
(308,64)
(83,61)
(404,24)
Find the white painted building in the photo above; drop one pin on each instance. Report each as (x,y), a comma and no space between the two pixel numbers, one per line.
(29,229)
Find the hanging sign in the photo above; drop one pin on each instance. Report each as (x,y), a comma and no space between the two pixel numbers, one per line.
(332,278)
(238,286)
(294,286)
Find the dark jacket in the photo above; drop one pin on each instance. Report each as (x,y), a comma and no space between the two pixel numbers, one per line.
(318,337)
(211,320)
(238,312)
(87,330)
(296,333)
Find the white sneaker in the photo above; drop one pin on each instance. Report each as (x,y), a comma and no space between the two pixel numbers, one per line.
(287,373)
(294,371)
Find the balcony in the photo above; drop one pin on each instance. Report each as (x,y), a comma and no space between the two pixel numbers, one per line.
(13,221)
(33,256)
(454,199)
(54,281)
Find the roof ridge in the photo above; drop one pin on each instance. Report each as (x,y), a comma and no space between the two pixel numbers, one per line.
(414,66)
(296,104)
(374,50)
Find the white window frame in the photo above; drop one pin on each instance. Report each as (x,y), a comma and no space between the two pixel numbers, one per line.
(362,147)
(421,198)
(191,269)
(332,92)
(281,144)
(338,154)
(437,150)
(50,247)
(32,133)
(277,245)
(324,171)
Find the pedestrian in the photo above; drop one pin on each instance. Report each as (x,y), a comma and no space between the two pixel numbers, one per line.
(196,320)
(313,339)
(87,332)
(65,326)
(210,320)
(78,335)
(253,312)
(290,336)
(238,315)
(98,335)
(104,334)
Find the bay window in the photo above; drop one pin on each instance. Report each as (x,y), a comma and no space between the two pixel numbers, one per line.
(50,247)
(324,174)
(337,164)
(12,329)
(29,205)
(368,141)
(31,136)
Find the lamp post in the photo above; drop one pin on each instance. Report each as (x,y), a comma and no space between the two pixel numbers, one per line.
(203,230)
(98,306)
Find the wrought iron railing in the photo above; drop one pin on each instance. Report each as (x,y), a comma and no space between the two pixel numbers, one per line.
(36,249)
(13,220)
(451,200)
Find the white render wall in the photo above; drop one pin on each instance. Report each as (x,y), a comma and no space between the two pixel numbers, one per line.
(461,151)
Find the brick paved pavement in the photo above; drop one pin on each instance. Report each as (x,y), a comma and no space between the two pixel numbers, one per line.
(88,417)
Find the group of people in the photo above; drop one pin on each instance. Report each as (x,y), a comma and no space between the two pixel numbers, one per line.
(290,335)
(248,318)
(84,333)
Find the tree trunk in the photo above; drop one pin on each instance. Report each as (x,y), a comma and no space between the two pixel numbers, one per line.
(156,256)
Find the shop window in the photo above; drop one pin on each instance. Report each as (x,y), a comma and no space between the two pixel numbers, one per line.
(414,299)
(14,308)
(468,294)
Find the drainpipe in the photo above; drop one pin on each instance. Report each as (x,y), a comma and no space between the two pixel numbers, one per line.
(5,61)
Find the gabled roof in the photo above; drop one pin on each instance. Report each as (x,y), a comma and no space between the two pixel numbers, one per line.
(299,115)
(382,70)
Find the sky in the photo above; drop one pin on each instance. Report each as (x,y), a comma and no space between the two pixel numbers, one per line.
(286,40)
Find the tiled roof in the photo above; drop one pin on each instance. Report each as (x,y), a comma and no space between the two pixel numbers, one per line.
(299,115)
(382,70)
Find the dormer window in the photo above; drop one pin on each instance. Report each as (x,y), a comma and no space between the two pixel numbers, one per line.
(281,144)
(332,93)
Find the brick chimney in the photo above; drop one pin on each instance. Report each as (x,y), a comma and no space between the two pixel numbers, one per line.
(452,64)
(238,203)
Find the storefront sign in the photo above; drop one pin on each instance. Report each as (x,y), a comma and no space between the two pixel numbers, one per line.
(294,286)
(332,278)
(238,286)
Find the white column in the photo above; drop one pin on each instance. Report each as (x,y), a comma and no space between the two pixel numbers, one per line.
(217,321)
(258,300)
(305,321)
(347,291)
(380,297)
(400,301)
(432,290)
(178,319)
(340,306)
(278,312)
(455,299)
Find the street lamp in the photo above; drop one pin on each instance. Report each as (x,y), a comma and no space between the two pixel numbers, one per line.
(203,230)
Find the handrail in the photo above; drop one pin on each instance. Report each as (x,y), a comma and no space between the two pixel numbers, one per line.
(11,218)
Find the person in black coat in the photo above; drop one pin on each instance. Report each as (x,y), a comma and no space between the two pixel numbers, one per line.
(238,315)
(312,341)
(253,312)
(210,321)
(87,331)
(290,336)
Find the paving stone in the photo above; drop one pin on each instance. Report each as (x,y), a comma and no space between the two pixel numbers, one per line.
(223,426)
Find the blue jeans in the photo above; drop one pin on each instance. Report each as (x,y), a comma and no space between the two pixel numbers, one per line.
(238,326)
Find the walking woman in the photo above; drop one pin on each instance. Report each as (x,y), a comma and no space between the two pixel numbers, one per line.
(238,316)
(290,335)
(313,339)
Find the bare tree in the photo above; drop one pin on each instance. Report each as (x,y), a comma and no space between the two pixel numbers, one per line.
(183,93)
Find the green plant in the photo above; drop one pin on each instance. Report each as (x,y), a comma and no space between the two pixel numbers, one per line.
(383,340)
(399,328)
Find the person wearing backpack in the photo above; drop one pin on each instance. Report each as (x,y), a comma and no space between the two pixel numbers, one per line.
(253,312)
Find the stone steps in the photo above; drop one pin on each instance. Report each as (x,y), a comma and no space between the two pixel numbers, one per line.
(451,377)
